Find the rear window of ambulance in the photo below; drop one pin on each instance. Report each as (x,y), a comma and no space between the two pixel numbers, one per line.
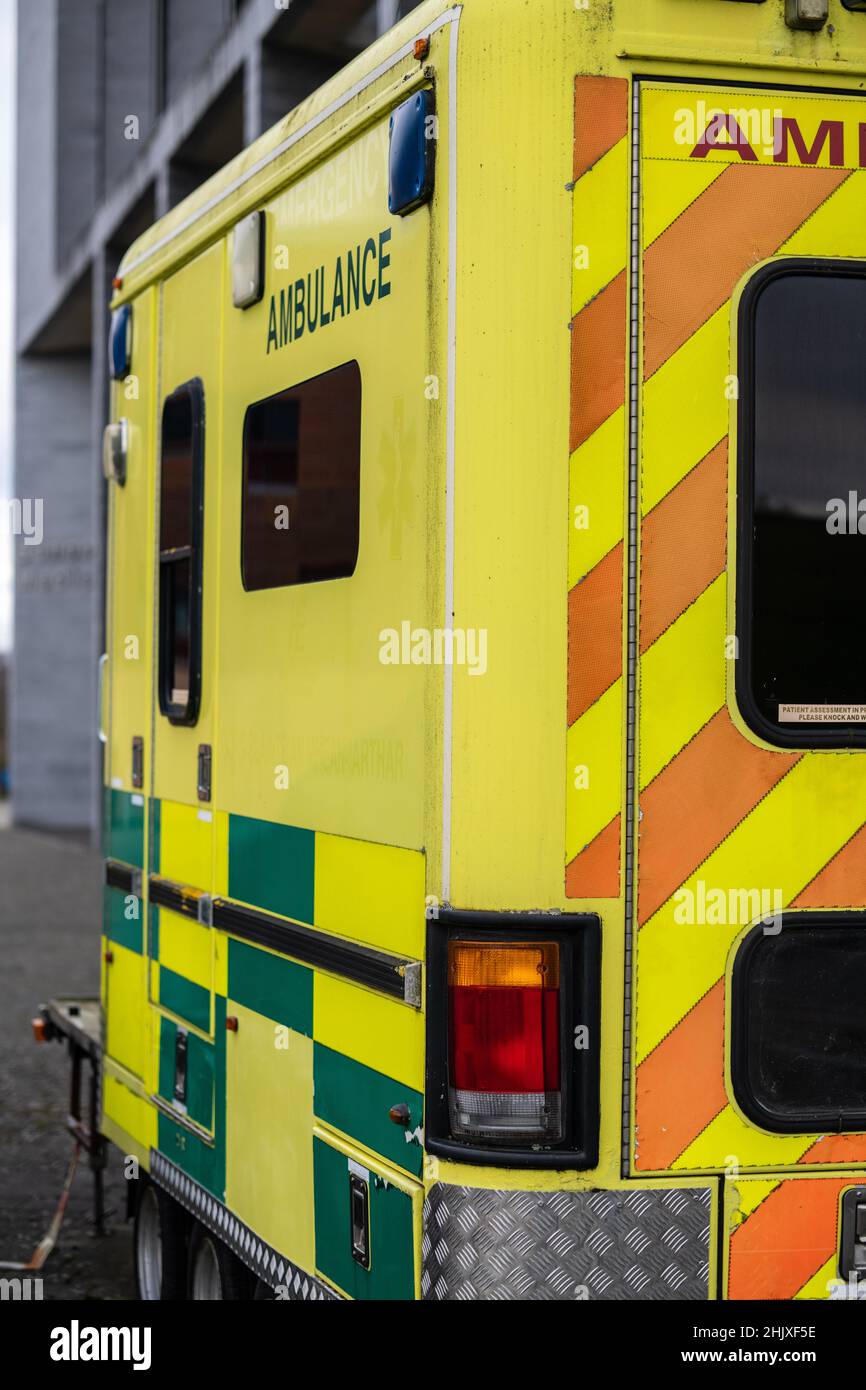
(802,535)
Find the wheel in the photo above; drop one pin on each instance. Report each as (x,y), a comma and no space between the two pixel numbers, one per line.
(159,1246)
(214,1272)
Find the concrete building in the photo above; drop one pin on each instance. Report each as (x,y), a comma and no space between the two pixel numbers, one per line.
(124,107)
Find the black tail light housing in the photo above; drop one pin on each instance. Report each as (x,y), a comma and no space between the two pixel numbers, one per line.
(513,1038)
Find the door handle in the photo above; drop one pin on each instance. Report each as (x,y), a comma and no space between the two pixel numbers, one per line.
(852,1253)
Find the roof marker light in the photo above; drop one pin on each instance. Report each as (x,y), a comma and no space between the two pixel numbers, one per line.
(120,343)
(412,155)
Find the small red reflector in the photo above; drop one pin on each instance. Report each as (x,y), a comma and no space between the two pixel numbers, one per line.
(231,1023)
(117,282)
(422,49)
(40,1030)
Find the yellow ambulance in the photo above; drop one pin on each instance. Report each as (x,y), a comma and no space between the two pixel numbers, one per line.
(485,694)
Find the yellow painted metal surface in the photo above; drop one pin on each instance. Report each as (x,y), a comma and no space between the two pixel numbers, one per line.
(313,729)
(269,1158)
(127,1116)
(371,893)
(186,947)
(186,844)
(379,1032)
(191,318)
(129,599)
(126,1034)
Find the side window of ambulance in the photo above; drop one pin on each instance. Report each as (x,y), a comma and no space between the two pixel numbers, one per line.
(798,1029)
(801,595)
(180,553)
(301,482)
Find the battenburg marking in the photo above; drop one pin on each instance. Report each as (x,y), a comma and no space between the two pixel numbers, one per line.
(356,279)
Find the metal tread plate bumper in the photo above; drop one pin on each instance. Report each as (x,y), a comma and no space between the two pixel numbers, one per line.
(482,1244)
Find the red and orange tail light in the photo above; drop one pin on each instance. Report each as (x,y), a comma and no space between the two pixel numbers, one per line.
(505,1041)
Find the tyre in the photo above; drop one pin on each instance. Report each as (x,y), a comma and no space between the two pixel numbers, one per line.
(214,1272)
(159,1246)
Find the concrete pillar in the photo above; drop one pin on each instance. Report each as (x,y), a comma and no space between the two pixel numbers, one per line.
(132,81)
(192,29)
(80,42)
(53,688)
(276,80)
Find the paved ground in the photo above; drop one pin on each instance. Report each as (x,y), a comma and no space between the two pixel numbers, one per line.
(50,908)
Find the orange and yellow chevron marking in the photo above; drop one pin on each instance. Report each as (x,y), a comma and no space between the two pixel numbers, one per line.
(598,360)
(599,335)
(695,802)
(715,807)
(684,543)
(703,1125)
(842,882)
(744,216)
(693,1052)
(600,119)
(594,873)
(595,626)
(786,1239)
(692,1055)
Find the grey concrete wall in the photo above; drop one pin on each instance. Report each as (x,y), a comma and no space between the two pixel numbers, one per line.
(37,157)
(53,715)
(80,35)
(192,29)
(132,80)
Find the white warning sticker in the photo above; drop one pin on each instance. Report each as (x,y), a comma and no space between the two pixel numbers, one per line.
(822,714)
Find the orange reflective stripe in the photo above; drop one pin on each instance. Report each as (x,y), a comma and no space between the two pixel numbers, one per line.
(744,216)
(598,341)
(837,1148)
(594,873)
(842,882)
(595,633)
(683,544)
(600,119)
(681,1084)
(696,801)
(786,1239)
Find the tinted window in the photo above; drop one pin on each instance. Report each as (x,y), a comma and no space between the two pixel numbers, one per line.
(799,1026)
(802,594)
(301,482)
(180,553)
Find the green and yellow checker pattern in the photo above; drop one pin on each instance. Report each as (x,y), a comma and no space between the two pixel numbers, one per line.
(294,1094)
